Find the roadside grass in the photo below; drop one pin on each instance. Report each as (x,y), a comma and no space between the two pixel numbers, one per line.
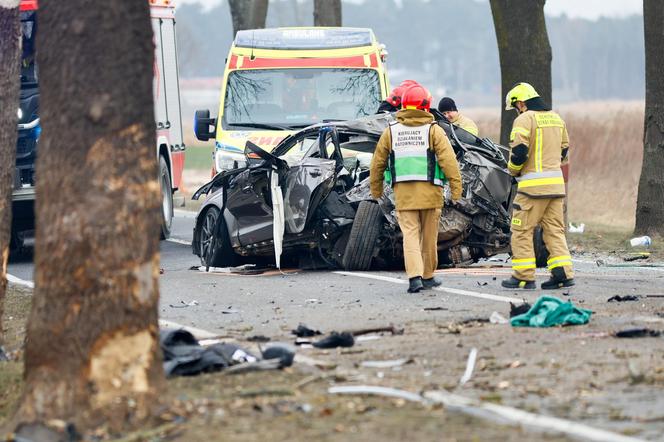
(612,241)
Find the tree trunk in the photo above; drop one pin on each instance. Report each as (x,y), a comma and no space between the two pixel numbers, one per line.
(92,351)
(650,202)
(327,12)
(10,56)
(524,51)
(248,14)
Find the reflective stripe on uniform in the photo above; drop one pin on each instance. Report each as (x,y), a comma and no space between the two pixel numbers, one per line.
(559,261)
(514,167)
(523,264)
(519,130)
(541,182)
(538,150)
(546,174)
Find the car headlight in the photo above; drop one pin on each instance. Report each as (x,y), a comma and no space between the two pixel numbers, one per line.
(224,160)
(20,114)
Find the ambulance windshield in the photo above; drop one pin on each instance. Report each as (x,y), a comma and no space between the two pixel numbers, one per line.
(295,98)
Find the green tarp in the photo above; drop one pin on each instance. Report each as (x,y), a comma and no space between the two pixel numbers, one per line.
(549,312)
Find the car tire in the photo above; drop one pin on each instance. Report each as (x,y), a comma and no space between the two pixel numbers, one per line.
(363,237)
(541,252)
(215,247)
(166,198)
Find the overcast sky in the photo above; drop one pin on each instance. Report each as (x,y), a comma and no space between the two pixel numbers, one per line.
(591,9)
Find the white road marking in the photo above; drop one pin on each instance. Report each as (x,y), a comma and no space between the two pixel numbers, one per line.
(449,290)
(501,413)
(179,241)
(18,281)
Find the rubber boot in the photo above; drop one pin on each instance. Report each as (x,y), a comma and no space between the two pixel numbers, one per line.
(431,283)
(415,285)
(517,284)
(558,280)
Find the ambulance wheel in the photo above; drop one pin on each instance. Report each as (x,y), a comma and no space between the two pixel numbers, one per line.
(541,253)
(363,238)
(166,198)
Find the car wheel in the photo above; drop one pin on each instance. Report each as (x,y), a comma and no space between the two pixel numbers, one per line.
(363,237)
(214,246)
(166,198)
(541,253)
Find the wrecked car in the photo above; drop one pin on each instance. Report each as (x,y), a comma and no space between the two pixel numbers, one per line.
(308,203)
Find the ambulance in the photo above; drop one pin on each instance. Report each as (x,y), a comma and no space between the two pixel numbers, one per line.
(278,81)
(169,147)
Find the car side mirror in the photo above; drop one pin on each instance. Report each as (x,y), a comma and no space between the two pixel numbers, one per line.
(205,128)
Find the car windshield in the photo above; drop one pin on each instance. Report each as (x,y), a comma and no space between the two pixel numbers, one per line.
(295,98)
(29,32)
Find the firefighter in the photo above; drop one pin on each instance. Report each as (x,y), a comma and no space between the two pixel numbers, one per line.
(448,108)
(393,102)
(415,156)
(538,146)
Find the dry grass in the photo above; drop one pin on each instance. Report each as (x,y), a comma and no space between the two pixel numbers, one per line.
(606,156)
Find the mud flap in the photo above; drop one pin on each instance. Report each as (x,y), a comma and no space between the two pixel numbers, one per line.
(278,224)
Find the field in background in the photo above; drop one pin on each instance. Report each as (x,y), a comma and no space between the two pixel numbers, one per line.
(606,155)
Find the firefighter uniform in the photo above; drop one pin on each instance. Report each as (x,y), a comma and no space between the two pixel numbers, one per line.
(466,124)
(539,143)
(415,156)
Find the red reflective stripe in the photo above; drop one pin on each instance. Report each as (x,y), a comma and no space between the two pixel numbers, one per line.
(28,5)
(256,63)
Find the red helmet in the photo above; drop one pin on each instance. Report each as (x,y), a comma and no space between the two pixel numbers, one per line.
(395,96)
(416,97)
(408,83)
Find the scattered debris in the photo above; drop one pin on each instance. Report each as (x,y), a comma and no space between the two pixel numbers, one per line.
(549,311)
(258,338)
(386,364)
(335,340)
(302,331)
(313,301)
(481,284)
(161,271)
(434,309)
(373,390)
(262,365)
(470,367)
(625,298)
(638,333)
(640,241)
(229,311)
(636,257)
(184,304)
(285,353)
(497,318)
(389,329)
(516,310)
(580,228)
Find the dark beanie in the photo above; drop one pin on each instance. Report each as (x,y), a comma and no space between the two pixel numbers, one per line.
(447,104)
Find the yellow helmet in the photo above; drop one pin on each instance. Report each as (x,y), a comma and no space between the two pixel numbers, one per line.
(520,92)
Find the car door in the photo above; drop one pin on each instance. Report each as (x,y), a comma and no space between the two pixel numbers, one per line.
(250,205)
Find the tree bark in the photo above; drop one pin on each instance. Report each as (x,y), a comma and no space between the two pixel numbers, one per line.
(524,51)
(248,14)
(92,351)
(10,56)
(650,202)
(327,12)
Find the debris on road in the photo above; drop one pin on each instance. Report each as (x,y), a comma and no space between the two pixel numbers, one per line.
(229,311)
(285,353)
(516,310)
(640,241)
(497,318)
(470,367)
(625,298)
(258,338)
(389,329)
(638,333)
(335,340)
(549,311)
(185,304)
(386,364)
(580,228)
(302,331)
(636,256)
(434,309)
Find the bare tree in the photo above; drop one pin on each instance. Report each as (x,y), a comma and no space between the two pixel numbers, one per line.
(650,202)
(248,14)
(327,12)
(92,350)
(10,55)
(524,50)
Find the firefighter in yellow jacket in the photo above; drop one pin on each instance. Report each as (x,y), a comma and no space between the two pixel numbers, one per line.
(539,145)
(416,157)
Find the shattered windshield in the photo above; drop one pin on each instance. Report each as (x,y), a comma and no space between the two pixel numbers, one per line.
(294,98)
(29,32)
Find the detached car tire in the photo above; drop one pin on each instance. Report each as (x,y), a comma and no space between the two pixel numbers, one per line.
(214,242)
(363,237)
(166,198)
(541,252)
